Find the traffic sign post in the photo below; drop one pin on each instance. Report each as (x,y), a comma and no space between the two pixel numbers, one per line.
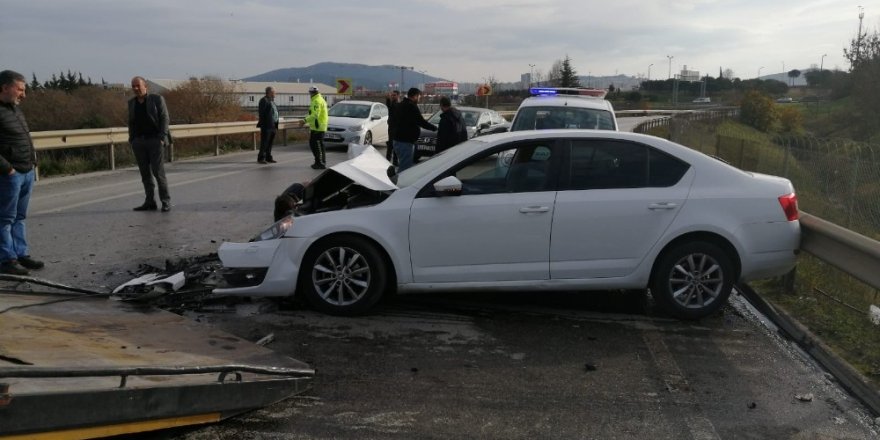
(485,90)
(344,86)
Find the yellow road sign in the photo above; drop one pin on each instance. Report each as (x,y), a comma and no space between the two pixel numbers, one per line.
(344,86)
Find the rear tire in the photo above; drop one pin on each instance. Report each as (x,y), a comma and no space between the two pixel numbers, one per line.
(343,276)
(693,280)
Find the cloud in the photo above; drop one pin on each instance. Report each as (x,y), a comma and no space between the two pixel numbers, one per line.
(460,40)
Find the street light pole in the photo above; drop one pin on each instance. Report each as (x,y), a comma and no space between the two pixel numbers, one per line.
(402,68)
(649,71)
(759,72)
(822,62)
(531,72)
(670,65)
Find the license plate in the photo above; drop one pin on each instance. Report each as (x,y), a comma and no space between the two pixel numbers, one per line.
(332,137)
(423,147)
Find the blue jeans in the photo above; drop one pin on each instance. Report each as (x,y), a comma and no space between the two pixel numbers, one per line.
(404,152)
(15,195)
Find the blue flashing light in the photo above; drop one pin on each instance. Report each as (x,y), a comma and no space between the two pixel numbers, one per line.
(543,91)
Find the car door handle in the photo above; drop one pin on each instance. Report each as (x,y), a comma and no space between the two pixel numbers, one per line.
(662,205)
(534,209)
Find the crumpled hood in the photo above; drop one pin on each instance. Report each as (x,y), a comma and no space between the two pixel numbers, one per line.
(368,169)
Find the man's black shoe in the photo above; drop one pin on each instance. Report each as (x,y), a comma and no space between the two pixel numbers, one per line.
(271,161)
(318,166)
(262,161)
(30,263)
(166,206)
(146,207)
(12,267)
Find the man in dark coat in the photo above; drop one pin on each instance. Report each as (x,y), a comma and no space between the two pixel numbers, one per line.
(17,162)
(268,124)
(391,102)
(451,130)
(149,134)
(408,118)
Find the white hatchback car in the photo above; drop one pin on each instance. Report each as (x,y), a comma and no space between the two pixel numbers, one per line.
(570,210)
(361,122)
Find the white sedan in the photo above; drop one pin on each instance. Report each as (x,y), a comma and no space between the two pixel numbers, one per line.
(361,122)
(528,210)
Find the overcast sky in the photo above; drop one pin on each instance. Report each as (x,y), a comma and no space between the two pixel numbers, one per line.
(458,40)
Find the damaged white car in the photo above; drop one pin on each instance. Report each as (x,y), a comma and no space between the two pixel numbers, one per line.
(564,210)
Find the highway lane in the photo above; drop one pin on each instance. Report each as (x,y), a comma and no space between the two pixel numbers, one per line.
(599,365)
(86,231)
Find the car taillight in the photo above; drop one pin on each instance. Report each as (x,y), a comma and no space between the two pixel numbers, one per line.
(789,206)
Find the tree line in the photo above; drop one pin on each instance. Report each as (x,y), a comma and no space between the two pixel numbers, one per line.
(70,102)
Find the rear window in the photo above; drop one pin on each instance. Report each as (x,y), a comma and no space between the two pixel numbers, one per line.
(545,118)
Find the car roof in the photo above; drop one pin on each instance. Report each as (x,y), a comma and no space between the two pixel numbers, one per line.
(473,109)
(678,150)
(349,101)
(567,101)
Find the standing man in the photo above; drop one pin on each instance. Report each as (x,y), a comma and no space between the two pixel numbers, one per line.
(451,130)
(317,121)
(148,135)
(391,102)
(408,119)
(17,161)
(268,124)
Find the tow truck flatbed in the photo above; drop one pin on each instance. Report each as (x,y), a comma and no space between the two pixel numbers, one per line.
(93,367)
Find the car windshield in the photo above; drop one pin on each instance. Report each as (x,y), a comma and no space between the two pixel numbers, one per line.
(444,159)
(360,111)
(543,118)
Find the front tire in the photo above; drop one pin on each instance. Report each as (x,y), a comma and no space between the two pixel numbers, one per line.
(343,276)
(693,280)
(368,138)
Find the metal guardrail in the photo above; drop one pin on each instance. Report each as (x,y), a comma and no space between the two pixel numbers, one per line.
(111,137)
(853,253)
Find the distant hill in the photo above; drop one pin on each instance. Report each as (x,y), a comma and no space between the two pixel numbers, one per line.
(378,77)
(369,77)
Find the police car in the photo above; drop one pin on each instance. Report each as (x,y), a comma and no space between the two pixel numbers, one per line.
(559,107)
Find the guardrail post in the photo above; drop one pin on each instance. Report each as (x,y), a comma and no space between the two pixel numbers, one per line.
(169,152)
(742,152)
(788,281)
(284,137)
(254,139)
(216,145)
(111,155)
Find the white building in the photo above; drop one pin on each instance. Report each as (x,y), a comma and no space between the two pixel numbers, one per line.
(287,94)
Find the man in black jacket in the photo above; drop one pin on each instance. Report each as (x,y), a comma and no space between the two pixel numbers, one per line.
(148,134)
(391,102)
(451,130)
(17,161)
(268,125)
(408,119)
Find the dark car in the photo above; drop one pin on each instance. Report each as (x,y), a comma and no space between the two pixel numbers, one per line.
(479,121)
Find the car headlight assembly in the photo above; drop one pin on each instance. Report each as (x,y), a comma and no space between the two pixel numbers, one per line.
(275,231)
(356,128)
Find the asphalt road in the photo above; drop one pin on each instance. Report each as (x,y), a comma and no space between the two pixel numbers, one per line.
(598,365)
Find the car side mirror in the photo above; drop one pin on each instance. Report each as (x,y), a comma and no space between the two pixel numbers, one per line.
(375,117)
(448,186)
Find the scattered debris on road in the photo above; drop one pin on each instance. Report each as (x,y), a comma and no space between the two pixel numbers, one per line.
(804,397)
